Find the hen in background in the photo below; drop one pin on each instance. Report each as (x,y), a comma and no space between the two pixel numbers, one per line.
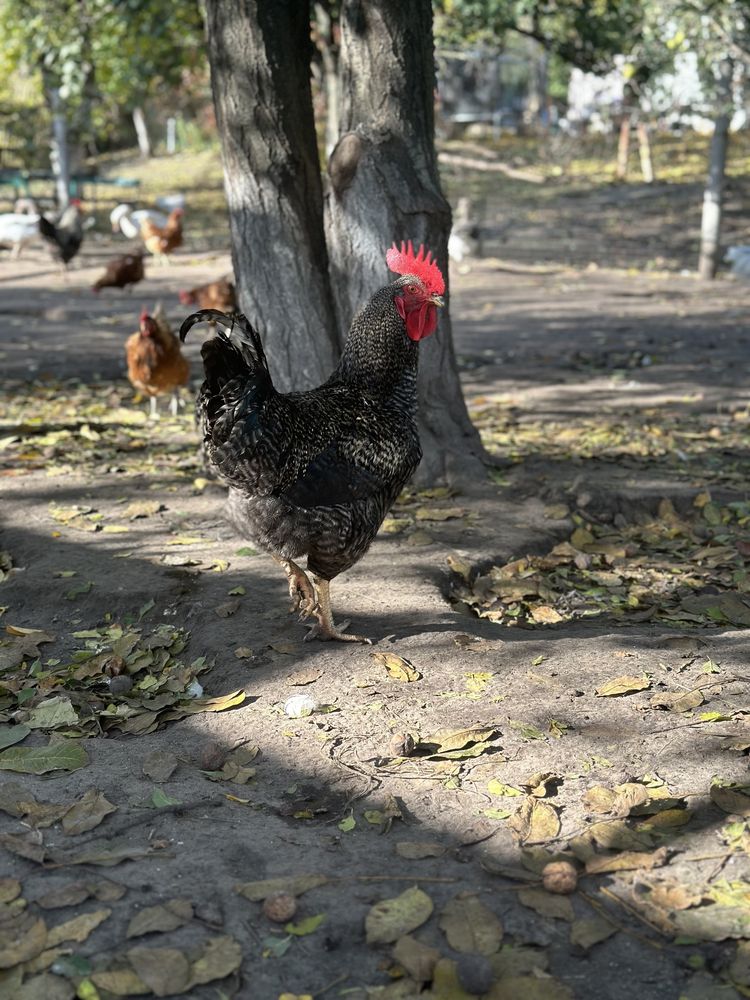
(19,227)
(162,240)
(314,473)
(128,221)
(66,235)
(213,295)
(121,272)
(155,362)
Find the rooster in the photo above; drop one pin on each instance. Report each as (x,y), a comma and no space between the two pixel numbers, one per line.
(214,295)
(128,222)
(155,363)
(121,272)
(162,240)
(314,473)
(66,235)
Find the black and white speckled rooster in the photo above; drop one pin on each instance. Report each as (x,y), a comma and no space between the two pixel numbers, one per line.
(314,473)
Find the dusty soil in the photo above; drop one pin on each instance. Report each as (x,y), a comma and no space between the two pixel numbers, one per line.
(330,794)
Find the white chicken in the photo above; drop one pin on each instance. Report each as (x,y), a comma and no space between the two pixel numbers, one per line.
(20,227)
(128,221)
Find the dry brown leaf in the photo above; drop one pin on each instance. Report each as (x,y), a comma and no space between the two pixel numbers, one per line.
(730,799)
(295,885)
(626,861)
(397,667)
(166,971)
(470,926)
(417,959)
(87,813)
(623,685)
(677,701)
(21,939)
(584,934)
(535,821)
(390,919)
(221,956)
(159,765)
(77,929)
(547,904)
(163,917)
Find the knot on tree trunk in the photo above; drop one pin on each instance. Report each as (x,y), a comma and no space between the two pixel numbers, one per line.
(343,162)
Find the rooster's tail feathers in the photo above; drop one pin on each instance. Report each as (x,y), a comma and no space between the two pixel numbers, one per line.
(236,332)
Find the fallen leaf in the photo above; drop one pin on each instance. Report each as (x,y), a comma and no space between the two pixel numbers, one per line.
(623,685)
(166,971)
(66,755)
(714,923)
(295,885)
(159,765)
(163,917)
(535,821)
(10,888)
(677,701)
(87,813)
(397,667)
(306,926)
(390,919)
(417,959)
(730,798)
(13,734)
(547,904)
(584,934)
(626,861)
(76,929)
(470,926)
(24,938)
(302,677)
(119,982)
(52,714)
(221,957)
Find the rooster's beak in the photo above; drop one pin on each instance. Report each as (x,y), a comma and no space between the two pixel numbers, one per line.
(436,300)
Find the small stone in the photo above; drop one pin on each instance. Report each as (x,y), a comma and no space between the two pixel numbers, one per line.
(574,693)
(120,684)
(113,666)
(280,908)
(560,876)
(475,973)
(212,758)
(401,745)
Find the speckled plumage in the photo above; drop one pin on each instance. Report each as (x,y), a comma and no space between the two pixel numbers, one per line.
(313,473)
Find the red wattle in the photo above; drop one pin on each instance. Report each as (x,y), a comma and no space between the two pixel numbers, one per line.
(420,323)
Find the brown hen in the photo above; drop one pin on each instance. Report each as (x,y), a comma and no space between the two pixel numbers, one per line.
(155,363)
(162,240)
(213,295)
(121,272)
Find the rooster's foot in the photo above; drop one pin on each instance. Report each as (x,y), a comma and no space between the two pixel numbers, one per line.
(326,631)
(301,590)
(324,628)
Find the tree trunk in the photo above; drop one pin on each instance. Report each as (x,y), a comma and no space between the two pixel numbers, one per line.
(384,187)
(260,73)
(141,131)
(712,195)
(59,152)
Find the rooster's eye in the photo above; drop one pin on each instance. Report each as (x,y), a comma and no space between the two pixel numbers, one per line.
(412,289)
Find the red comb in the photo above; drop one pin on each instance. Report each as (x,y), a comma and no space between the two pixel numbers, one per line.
(422,266)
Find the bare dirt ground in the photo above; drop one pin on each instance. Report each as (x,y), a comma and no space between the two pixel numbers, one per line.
(617,405)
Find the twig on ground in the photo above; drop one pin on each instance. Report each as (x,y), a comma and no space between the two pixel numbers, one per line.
(151,815)
(631,909)
(596,905)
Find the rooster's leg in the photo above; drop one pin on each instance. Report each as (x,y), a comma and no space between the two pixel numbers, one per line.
(173,404)
(325,628)
(153,408)
(300,589)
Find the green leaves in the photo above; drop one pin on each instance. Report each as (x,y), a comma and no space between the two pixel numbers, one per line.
(67,755)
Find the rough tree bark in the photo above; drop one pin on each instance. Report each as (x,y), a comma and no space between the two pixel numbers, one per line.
(384,186)
(714,191)
(325,33)
(260,73)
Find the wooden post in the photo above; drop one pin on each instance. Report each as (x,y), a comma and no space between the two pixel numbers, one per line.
(644,150)
(712,195)
(623,148)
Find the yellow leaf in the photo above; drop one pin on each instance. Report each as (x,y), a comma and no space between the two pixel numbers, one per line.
(623,685)
(397,667)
